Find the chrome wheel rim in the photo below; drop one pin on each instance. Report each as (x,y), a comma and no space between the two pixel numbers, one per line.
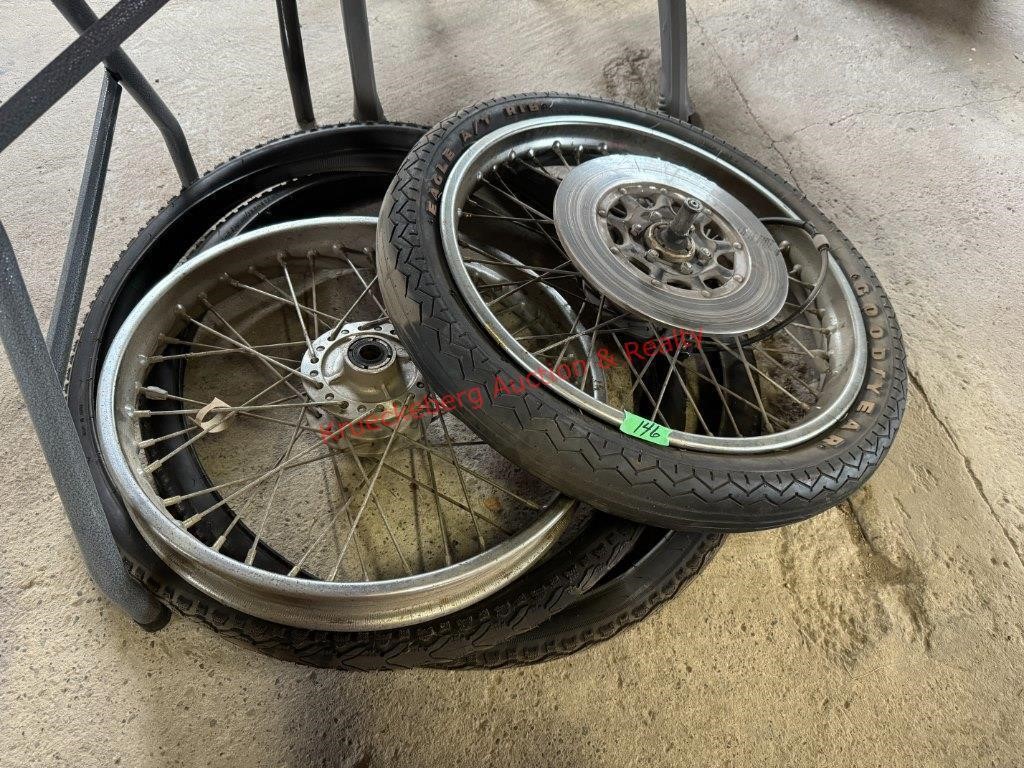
(475,520)
(548,149)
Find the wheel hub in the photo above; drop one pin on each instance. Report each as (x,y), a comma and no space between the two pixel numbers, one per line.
(666,243)
(370,353)
(360,370)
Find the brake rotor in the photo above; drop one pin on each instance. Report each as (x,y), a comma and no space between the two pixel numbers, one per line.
(666,243)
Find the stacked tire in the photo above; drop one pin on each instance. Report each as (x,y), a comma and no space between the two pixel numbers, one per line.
(573,528)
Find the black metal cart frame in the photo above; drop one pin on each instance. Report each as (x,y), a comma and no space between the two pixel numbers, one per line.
(36,361)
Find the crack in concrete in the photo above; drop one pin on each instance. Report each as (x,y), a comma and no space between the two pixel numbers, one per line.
(848,593)
(860,526)
(910,533)
(908,577)
(969,466)
(632,76)
(772,141)
(904,112)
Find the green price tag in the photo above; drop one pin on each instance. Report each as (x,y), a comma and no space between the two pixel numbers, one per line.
(638,426)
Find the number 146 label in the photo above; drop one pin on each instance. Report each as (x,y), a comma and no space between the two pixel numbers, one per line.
(644,429)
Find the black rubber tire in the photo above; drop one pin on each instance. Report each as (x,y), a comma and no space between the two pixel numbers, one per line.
(524,605)
(191,221)
(575,452)
(660,566)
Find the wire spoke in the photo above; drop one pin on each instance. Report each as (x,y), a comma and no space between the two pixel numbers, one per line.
(693,401)
(531,211)
(513,220)
(270,473)
(446,497)
(531,281)
(784,369)
(348,515)
(539,169)
(668,378)
(367,287)
(545,278)
(583,333)
(258,533)
(212,353)
(311,260)
(367,291)
(558,151)
(366,498)
(156,440)
(157,463)
(817,358)
(720,390)
(575,323)
(252,351)
(753,385)
(312,311)
(462,481)
(534,214)
(750,367)
(295,302)
(376,501)
(638,378)
(434,452)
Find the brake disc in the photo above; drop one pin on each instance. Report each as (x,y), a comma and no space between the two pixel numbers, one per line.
(670,245)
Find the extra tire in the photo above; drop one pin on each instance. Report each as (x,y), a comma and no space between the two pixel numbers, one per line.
(659,567)
(355,163)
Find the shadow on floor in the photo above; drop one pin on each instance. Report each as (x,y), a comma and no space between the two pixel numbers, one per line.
(961,16)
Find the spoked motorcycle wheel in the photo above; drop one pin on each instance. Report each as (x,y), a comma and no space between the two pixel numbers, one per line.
(673,250)
(277,447)
(363,157)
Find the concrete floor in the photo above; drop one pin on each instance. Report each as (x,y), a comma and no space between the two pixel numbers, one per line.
(889,631)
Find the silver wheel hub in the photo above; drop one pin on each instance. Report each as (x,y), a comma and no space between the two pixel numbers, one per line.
(669,244)
(360,370)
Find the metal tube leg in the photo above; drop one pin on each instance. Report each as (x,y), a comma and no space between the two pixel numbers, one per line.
(360,59)
(30,361)
(295,62)
(675,91)
(61,333)
(80,16)
(72,64)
